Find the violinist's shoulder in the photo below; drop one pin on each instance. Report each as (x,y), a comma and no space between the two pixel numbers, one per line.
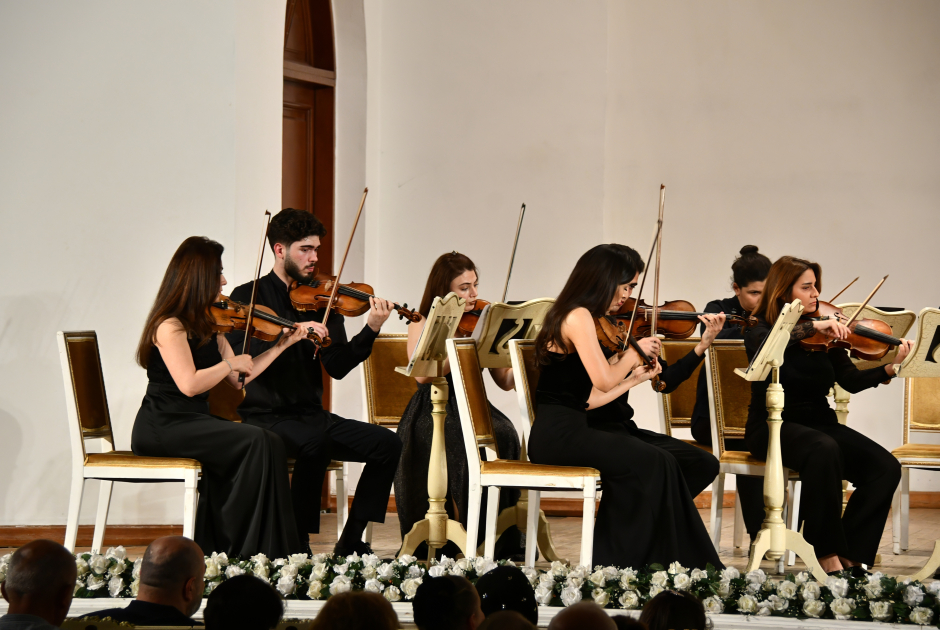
(241,293)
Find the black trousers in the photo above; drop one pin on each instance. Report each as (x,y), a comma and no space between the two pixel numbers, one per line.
(824,455)
(316,439)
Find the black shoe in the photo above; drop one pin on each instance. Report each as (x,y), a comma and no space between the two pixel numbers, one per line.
(859,572)
(359,547)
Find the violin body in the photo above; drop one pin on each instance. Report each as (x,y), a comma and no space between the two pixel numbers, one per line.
(265,323)
(612,334)
(352,298)
(869,340)
(676,319)
(469,319)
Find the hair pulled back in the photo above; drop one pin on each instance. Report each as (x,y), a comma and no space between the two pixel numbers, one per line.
(443,271)
(750,266)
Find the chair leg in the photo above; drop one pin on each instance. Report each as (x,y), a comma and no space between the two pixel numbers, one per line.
(905,506)
(492,509)
(896,518)
(796,488)
(342,501)
(367,534)
(532,527)
(190,501)
(75,507)
(738,521)
(474,497)
(587,523)
(104,504)
(718,494)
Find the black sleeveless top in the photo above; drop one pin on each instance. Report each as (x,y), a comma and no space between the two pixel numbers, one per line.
(564,381)
(204,356)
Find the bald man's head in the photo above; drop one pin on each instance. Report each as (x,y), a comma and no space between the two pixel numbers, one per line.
(172,573)
(41,581)
(581,616)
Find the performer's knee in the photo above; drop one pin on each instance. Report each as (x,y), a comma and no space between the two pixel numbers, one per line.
(389,447)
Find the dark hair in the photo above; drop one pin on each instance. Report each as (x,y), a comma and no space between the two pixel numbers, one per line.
(245,602)
(444,603)
(506,620)
(291,225)
(591,285)
(507,588)
(750,266)
(190,285)
(674,609)
(443,271)
(628,623)
(40,569)
(779,285)
(356,610)
(165,566)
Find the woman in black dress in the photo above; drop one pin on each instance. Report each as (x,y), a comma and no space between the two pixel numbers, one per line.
(812,441)
(646,513)
(456,273)
(244,494)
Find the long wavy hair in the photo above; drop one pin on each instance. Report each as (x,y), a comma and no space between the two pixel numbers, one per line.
(778,288)
(190,285)
(443,271)
(592,285)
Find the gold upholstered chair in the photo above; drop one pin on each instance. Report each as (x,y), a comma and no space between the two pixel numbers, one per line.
(477,426)
(921,414)
(676,409)
(89,419)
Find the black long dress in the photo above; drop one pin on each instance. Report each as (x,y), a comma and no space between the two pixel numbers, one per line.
(411,480)
(646,513)
(244,496)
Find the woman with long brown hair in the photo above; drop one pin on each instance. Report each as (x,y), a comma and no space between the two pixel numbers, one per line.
(646,514)
(453,272)
(244,495)
(812,441)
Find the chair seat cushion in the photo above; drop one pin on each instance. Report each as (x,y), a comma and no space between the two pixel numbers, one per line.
(917,450)
(741,457)
(127,459)
(515,467)
(704,447)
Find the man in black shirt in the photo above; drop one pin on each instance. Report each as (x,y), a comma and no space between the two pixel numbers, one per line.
(287,397)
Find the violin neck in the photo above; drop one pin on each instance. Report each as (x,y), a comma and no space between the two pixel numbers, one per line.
(870,333)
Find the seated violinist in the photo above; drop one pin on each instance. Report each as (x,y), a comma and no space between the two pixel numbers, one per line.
(812,441)
(286,399)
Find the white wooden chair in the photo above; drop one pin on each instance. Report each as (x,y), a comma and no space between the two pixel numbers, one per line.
(89,418)
(477,426)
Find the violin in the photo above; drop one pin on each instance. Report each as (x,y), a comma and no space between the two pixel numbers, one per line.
(265,324)
(676,319)
(869,340)
(468,321)
(352,298)
(612,333)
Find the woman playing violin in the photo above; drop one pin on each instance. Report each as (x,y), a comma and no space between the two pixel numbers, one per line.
(646,513)
(455,273)
(812,441)
(244,494)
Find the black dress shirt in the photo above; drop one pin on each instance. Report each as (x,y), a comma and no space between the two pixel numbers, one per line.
(293,383)
(147,614)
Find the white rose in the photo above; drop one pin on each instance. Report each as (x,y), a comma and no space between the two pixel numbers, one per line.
(765,608)
(921,615)
(286,585)
(464,564)
(370,560)
(698,574)
(410,586)
(456,571)
(598,579)
(628,580)
(570,595)
(600,597)
(629,600)
(233,570)
(354,557)
(289,570)
(913,595)
(341,569)
(543,595)
(933,588)
(559,568)
(80,565)
(437,571)
(814,608)
(212,569)
(408,559)
(682,582)
(95,582)
(392,594)
(713,605)
(747,604)
(136,572)
(260,559)
(574,581)
(280,562)
(135,586)
(882,611)
(611,573)
(842,608)
(115,586)
(659,578)
(811,591)
(211,586)
(786,589)
(340,584)
(447,562)
(655,590)
(839,587)
(317,558)
(99,564)
(314,590)
(724,588)
(802,577)
(369,573)
(118,553)
(78,585)
(297,559)
(319,571)
(222,558)
(415,571)
(730,573)
(675,568)
(581,572)
(756,577)
(117,568)
(373,586)
(872,590)
(531,574)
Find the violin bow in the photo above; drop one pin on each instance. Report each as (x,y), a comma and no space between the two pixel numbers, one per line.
(636,304)
(659,251)
(512,258)
(254,288)
(329,305)
(865,303)
(833,300)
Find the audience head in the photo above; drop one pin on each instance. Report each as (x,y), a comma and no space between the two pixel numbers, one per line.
(40,581)
(173,573)
(674,609)
(628,623)
(506,620)
(582,615)
(243,602)
(449,602)
(356,610)
(507,588)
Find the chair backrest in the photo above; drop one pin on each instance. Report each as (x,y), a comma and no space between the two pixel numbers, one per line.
(921,406)
(677,406)
(899,321)
(729,395)
(224,401)
(85,398)
(525,373)
(386,392)
(476,423)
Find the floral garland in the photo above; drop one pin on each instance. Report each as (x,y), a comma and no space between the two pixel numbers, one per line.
(301,576)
